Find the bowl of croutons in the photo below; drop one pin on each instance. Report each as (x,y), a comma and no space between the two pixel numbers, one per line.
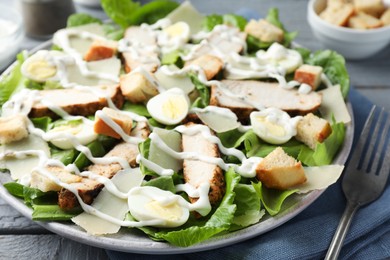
(357,29)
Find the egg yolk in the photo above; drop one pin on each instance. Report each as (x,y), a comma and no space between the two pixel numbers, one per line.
(71,129)
(171,212)
(41,69)
(273,128)
(173,107)
(176,29)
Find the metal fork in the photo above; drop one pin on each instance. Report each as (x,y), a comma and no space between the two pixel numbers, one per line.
(366,174)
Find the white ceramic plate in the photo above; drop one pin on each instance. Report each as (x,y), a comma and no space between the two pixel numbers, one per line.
(132,240)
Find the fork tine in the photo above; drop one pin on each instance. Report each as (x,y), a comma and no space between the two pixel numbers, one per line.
(381,155)
(357,154)
(372,143)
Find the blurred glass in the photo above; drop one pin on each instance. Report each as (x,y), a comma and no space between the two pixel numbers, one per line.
(44,17)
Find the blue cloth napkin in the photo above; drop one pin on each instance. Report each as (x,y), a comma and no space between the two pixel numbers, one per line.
(308,235)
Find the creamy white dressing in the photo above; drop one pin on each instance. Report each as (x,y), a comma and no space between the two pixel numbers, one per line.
(265,65)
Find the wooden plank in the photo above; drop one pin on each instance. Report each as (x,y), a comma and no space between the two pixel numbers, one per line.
(50,247)
(12,222)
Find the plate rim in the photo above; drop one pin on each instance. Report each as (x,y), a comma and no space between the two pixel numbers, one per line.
(111,242)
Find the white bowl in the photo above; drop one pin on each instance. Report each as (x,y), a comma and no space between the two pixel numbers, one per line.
(351,43)
(11,35)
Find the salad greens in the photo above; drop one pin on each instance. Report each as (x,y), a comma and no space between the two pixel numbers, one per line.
(246,199)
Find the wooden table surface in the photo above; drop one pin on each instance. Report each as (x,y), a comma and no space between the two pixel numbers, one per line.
(20,238)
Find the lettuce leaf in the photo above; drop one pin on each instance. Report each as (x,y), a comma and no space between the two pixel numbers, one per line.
(213,20)
(272,199)
(126,12)
(334,68)
(81,19)
(120,11)
(204,92)
(325,151)
(139,109)
(248,204)
(152,12)
(10,83)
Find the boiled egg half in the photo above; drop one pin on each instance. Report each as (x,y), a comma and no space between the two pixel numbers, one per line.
(149,203)
(169,107)
(174,36)
(65,135)
(279,55)
(274,125)
(41,66)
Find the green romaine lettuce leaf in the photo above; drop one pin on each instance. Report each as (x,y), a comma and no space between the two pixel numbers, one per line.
(120,11)
(248,204)
(53,213)
(334,68)
(10,83)
(272,199)
(204,92)
(162,182)
(325,151)
(152,12)
(81,19)
(213,20)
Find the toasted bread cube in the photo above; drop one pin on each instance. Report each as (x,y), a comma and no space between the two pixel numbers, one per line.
(312,130)
(337,2)
(371,7)
(364,21)
(124,121)
(43,183)
(100,50)
(309,74)
(137,88)
(337,14)
(264,31)
(280,171)
(385,18)
(211,65)
(13,128)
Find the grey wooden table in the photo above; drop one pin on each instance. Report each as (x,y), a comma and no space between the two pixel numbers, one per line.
(20,238)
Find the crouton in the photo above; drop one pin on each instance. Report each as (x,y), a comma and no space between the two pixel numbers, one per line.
(264,31)
(124,121)
(312,130)
(137,88)
(309,74)
(13,128)
(75,101)
(371,7)
(197,172)
(385,18)
(280,171)
(338,14)
(100,50)
(43,183)
(210,64)
(364,21)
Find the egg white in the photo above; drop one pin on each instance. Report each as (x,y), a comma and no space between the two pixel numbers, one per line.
(149,203)
(169,107)
(42,66)
(62,136)
(274,125)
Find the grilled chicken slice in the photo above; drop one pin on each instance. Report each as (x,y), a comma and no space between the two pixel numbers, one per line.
(263,93)
(75,101)
(198,172)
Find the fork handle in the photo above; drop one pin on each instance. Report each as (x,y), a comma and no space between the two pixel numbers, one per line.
(338,238)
